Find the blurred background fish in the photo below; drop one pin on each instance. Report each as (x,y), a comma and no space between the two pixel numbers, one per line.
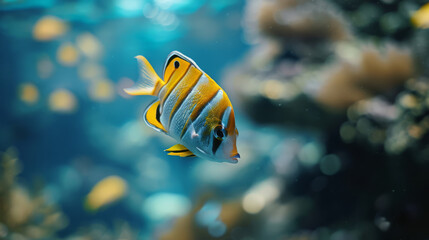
(330,97)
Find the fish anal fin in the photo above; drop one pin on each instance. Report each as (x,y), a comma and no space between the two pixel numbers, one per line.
(182,154)
(151,117)
(177,148)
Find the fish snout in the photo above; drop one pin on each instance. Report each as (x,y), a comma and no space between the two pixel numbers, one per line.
(235,158)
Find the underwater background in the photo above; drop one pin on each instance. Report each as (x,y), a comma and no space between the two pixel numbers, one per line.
(331,101)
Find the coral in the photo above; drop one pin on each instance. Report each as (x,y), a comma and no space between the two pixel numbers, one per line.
(200,223)
(95,231)
(399,127)
(295,21)
(382,20)
(368,100)
(420,50)
(373,73)
(24,215)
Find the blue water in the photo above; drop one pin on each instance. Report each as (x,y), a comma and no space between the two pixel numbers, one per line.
(351,165)
(73,151)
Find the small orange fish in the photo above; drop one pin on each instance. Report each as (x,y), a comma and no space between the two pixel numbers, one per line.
(190,107)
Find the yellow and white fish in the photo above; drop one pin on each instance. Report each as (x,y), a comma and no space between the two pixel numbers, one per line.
(190,107)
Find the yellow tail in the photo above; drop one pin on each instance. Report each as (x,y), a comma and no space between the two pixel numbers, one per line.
(149,82)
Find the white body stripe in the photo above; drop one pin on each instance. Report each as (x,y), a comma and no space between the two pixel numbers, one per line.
(172,99)
(184,112)
(225,117)
(198,126)
(169,104)
(161,95)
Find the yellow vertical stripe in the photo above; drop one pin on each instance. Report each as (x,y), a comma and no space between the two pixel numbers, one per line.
(151,118)
(184,88)
(217,111)
(170,69)
(174,80)
(206,92)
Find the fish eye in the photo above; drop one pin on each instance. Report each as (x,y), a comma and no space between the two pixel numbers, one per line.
(219,132)
(176,64)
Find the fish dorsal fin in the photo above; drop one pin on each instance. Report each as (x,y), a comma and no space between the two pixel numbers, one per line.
(177,61)
(152,117)
(179,150)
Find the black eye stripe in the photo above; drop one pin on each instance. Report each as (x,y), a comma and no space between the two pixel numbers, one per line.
(219,132)
(176,64)
(158,114)
(216,144)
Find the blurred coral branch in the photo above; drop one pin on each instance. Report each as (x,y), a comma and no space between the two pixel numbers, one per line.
(373,73)
(24,215)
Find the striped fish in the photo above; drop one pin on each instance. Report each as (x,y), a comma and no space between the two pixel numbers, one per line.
(190,107)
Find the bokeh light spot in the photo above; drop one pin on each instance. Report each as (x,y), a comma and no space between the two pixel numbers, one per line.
(420,18)
(123,84)
(28,93)
(208,214)
(217,229)
(45,67)
(67,54)
(161,206)
(102,90)
(310,153)
(330,164)
(408,101)
(91,71)
(347,132)
(63,101)
(48,28)
(274,89)
(89,45)
(253,203)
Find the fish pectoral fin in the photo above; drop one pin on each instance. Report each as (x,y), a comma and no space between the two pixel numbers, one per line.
(179,150)
(152,117)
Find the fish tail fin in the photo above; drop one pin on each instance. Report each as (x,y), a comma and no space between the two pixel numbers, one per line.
(149,82)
